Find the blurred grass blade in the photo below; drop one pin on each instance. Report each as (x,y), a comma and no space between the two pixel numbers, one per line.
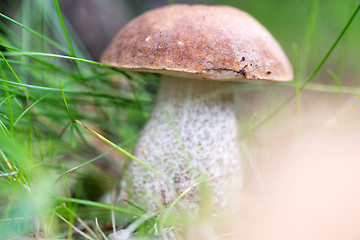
(313,73)
(118,148)
(99,229)
(321,63)
(327,88)
(172,205)
(74,227)
(55,44)
(28,108)
(135,225)
(309,34)
(19,81)
(297,84)
(10,110)
(65,102)
(40,88)
(83,164)
(11,69)
(55,56)
(68,40)
(352,108)
(99,205)
(336,80)
(84,224)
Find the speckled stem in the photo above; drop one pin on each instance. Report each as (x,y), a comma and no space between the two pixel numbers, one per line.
(191,136)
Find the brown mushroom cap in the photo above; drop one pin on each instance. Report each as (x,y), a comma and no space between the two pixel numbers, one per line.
(210,42)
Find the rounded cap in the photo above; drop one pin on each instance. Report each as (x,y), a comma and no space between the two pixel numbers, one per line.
(210,42)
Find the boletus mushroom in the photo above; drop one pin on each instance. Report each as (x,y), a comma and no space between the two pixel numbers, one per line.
(192,134)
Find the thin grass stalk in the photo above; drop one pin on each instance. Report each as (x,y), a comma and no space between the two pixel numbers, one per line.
(313,73)
(39,35)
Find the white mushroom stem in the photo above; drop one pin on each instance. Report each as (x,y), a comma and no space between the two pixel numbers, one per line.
(192,136)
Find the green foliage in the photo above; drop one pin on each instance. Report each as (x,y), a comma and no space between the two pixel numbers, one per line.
(46,82)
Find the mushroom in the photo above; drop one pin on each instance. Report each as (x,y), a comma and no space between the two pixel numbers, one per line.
(192,134)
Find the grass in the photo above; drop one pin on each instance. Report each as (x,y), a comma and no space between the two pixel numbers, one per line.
(313,73)
(41,92)
(59,109)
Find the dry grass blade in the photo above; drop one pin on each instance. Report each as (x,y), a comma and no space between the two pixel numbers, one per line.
(85,225)
(75,228)
(99,229)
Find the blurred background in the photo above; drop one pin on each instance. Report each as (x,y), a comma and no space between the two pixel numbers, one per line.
(299,159)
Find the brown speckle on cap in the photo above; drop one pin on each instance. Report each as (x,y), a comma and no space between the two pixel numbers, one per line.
(201,41)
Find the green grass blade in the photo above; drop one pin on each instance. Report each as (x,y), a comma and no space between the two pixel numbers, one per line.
(323,60)
(11,69)
(68,40)
(26,97)
(308,36)
(70,91)
(297,83)
(118,148)
(313,73)
(11,116)
(48,40)
(65,103)
(336,80)
(318,87)
(84,164)
(27,109)
(172,205)
(55,56)
(348,115)
(99,205)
